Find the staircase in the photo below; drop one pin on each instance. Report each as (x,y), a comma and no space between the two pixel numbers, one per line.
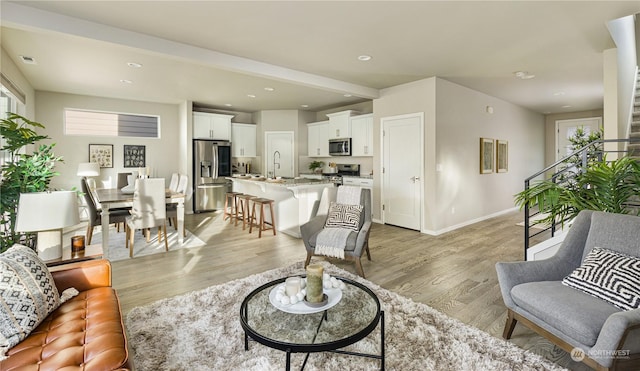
(634,129)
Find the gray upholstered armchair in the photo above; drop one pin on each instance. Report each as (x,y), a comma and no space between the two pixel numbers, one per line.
(570,318)
(357,242)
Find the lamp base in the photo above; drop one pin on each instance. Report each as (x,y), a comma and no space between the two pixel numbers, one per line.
(50,244)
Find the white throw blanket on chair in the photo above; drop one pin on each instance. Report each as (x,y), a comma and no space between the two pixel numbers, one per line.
(332,241)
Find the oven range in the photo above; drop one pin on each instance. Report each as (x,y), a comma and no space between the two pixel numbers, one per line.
(342,170)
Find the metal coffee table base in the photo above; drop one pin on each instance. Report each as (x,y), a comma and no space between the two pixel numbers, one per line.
(324,318)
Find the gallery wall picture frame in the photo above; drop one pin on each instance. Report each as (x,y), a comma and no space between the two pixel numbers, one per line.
(134,156)
(102,154)
(502,156)
(486,155)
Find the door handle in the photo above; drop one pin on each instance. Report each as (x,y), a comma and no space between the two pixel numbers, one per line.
(415,179)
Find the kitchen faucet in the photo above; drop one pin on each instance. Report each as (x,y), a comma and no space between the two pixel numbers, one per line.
(276,163)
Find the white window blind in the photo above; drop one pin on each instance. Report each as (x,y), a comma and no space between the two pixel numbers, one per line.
(94,123)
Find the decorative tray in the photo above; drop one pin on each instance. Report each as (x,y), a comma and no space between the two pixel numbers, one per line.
(301,307)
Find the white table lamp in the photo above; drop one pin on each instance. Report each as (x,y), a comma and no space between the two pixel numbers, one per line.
(47,213)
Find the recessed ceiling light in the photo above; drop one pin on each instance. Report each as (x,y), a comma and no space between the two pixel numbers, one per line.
(304,105)
(558,93)
(524,75)
(269,89)
(251,95)
(125,81)
(364,58)
(566,106)
(28,60)
(228,104)
(347,95)
(134,64)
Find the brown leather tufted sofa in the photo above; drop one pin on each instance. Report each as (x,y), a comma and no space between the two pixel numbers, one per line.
(84,333)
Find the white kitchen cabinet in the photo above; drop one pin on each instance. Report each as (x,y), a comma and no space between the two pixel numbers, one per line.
(243,140)
(362,135)
(357,181)
(340,124)
(318,139)
(211,126)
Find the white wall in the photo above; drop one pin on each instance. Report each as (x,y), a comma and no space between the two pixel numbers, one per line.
(455,120)
(11,71)
(463,194)
(162,155)
(413,97)
(624,35)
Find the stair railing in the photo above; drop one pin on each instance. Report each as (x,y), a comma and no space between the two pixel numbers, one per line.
(565,170)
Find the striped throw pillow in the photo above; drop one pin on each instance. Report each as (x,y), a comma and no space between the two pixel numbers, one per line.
(610,276)
(343,216)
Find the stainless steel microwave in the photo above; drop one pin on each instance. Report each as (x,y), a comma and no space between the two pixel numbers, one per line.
(340,147)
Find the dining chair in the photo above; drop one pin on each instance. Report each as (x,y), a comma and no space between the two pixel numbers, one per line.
(172,209)
(173,184)
(94,211)
(148,211)
(122,180)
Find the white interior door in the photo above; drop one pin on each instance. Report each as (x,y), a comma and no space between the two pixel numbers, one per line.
(567,128)
(279,160)
(402,170)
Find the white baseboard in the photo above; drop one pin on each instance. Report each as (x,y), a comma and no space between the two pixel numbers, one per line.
(468,222)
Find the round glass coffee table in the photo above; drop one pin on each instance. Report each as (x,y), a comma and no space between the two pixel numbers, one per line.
(303,329)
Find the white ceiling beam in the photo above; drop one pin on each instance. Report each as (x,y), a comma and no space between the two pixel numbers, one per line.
(24,17)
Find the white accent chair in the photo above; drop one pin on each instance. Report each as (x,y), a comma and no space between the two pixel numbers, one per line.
(148,211)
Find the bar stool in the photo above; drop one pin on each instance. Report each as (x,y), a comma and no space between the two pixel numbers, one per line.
(242,209)
(262,224)
(230,205)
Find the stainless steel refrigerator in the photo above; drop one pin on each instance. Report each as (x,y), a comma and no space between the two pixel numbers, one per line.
(211,164)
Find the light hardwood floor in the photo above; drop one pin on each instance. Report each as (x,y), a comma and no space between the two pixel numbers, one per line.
(453,272)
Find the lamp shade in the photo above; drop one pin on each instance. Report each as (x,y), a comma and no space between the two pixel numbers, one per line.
(88,169)
(42,211)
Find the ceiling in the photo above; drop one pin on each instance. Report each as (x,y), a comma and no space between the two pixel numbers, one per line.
(217,53)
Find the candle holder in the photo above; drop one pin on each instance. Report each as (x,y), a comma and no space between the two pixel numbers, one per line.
(77,246)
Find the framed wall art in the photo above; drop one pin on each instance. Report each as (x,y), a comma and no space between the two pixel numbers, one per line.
(502,156)
(134,156)
(102,154)
(486,156)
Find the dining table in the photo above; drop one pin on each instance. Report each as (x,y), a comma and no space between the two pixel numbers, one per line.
(111,198)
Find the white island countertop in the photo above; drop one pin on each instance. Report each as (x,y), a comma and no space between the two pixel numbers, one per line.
(285,182)
(293,198)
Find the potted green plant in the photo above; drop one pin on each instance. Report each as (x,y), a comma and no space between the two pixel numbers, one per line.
(21,172)
(316,166)
(604,185)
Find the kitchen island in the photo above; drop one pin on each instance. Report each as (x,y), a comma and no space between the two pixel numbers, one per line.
(293,198)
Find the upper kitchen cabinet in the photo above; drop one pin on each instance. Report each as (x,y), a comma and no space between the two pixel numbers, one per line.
(211,126)
(243,140)
(362,135)
(339,124)
(318,139)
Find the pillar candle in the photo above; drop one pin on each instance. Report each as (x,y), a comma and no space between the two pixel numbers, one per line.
(314,283)
(292,286)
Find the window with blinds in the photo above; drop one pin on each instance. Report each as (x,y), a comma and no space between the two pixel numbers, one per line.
(110,124)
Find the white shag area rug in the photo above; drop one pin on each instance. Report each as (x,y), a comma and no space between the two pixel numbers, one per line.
(118,251)
(201,331)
